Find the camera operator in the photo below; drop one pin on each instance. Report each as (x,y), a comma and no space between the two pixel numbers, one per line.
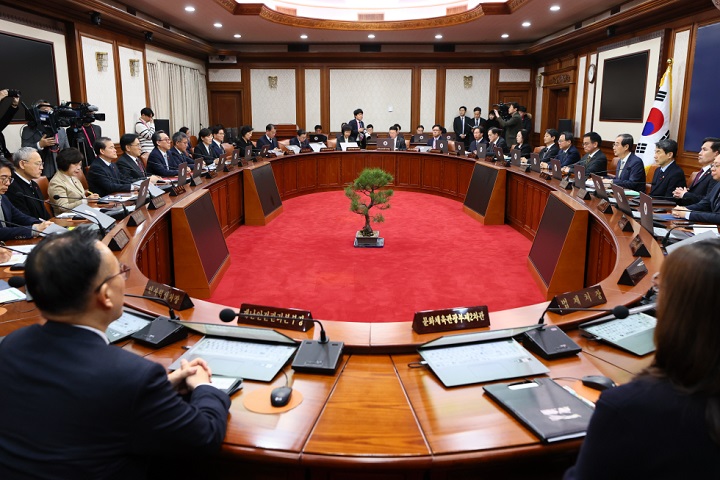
(511,125)
(84,136)
(33,135)
(8,116)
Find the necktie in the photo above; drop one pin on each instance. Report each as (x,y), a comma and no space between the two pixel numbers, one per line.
(166,160)
(113,170)
(435,143)
(698,177)
(140,165)
(620,168)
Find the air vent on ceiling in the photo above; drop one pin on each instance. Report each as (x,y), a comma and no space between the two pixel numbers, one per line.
(371,17)
(298,47)
(222,59)
(444,47)
(370,47)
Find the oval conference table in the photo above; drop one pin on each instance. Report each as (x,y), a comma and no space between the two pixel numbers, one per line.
(377,417)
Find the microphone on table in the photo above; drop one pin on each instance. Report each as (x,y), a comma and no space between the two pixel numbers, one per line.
(83,214)
(163,330)
(619,311)
(16,281)
(666,238)
(314,356)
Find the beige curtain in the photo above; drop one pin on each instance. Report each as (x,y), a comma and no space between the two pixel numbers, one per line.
(180,94)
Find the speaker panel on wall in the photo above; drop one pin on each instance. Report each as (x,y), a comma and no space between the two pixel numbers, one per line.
(565,125)
(370,47)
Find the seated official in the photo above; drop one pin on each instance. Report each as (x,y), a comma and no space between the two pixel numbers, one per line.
(179,154)
(269,138)
(218,133)
(301,139)
(668,176)
(103,176)
(86,409)
(703,181)
(204,147)
(65,184)
(130,164)
(346,137)
(159,162)
(190,149)
(708,209)
(397,142)
(594,159)
(24,192)
(437,131)
(522,143)
(567,154)
(551,148)
(496,141)
(664,423)
(14,224)
(478,140)
(630,171)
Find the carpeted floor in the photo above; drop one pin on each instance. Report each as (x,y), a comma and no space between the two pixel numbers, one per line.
(435,256)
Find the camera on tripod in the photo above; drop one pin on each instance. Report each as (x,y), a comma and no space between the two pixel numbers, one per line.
(503,109)
(65,115)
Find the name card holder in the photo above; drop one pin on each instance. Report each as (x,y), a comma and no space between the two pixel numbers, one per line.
(176,190)
(451,319)
(118,241)
(585,298)
(212,173)
(633,273)
(178,299)
(136,218)
(604,206)
(524,167)
(287,318)
(327,149)
(638,247)
(625,225)
(195,181)
(566,183)
(228,167)
(435,150)
(546,176)
(306,150)
(583,194)
(156,203)
(383,149)
(352,149)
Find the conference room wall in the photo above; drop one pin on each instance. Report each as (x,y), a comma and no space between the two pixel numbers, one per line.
(273,104)
(428,94)
(97,80)
(133,86)
(477,94)
(313,113)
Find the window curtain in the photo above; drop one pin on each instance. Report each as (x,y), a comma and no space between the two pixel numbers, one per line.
(180,94)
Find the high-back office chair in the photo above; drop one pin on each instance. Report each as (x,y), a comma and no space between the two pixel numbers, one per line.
(43,184)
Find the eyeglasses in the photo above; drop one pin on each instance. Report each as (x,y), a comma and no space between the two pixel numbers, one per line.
(124,271)
(34,164)
(712,166)
(6,180)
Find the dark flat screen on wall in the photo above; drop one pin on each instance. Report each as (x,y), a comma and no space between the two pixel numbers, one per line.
(29,66)
(623,88)
(704,98)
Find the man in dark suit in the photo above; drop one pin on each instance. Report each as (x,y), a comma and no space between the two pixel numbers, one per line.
(462,127)
(301,139)
(103,176)
(478,120)
(178,153)
(478,140)
(703,181)
(551,148)
(436,137)
(86,409)
(6,119)
(357,127)
(48,145)
(668,176)
(630,171)
(594,159)
(130,163)
(567,153)
(496,141)
(24,193)
(398,143)
(269,138)
(218,133)
(159,161)
(513,124)
(708,209)
(28,226)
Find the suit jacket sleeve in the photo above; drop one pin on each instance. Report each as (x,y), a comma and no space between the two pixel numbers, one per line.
(7,117)
(100,180)
(165,423)
(156,165)
(635,177)
(58,187)
(691,197)
(526,150)
(12,214)
(30,137)
(127,171)
(598,165)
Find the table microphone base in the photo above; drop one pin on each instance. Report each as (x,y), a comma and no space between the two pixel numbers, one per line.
(316,357)
(160,332)
(550,342)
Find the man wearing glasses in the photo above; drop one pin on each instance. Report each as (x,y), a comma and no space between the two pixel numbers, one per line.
(75,406)
(103,176)
(160,162)
(24,192)
(13,223)
(594,159)
(708,209)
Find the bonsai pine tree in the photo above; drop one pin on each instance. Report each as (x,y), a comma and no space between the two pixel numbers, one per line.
(369,183)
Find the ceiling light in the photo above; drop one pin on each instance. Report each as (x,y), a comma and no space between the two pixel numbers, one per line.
(371,36)
(217,25)
(189,9)
(555,8)
(526,24)
(438,36)
(303,36)
(504,35)
(237,35)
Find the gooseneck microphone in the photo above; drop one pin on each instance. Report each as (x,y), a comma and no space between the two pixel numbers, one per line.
(666,238)
(228,315)
(159,300)
(619,311)
(82,214)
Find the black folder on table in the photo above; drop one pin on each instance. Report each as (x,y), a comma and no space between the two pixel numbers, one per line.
(546,408)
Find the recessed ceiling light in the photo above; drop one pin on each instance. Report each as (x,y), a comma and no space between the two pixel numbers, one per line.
(438,36)
(504,35)
(303,36)
(526,24)
(371,36)
(237,35)
(217,25)
(555,8)
(189,9)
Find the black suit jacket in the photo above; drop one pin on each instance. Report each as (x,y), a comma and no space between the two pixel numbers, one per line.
(4,122)
(176,157)
(13,215)
(104,180)
(400,144)
(483,123)
(596,164)
(632,175)
(698,191)
(341,139)
(708,209)
(474,144)
(664,183)
(501,143)
(18,192)
(208,154)
(571,157)
(296,142)
(264,140)
(547,154)
(85,409)
(156,164)
(525,150)
(459,130)
(129,169)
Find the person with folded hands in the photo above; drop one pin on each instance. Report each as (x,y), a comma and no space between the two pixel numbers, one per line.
(706,210)
(18,226)
(179,153)
(24,192)
(65,184)
(159,162)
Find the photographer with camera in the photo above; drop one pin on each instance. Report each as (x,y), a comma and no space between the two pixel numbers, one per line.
(8,116)
(43,134)
(83,137)
(510,121)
